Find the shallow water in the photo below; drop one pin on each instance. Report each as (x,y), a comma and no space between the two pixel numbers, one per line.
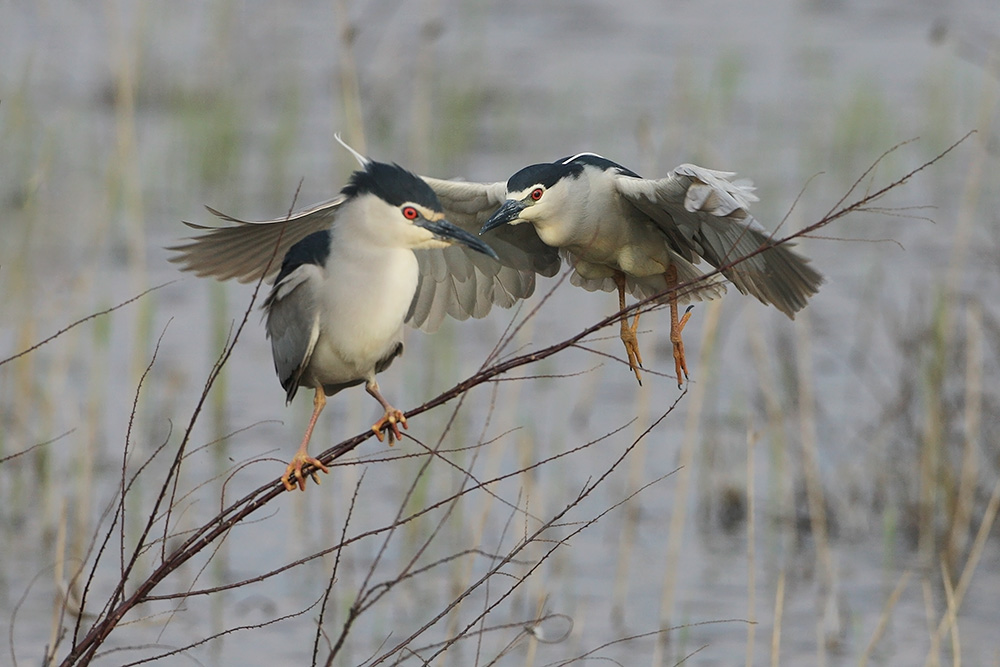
(235,102)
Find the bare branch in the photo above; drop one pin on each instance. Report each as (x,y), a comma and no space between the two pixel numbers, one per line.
(494,368)
(35,446)
(92,316)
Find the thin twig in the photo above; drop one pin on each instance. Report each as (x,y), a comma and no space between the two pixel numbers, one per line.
(216,528)
(82,321)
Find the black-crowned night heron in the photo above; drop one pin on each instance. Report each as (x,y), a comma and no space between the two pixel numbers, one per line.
(621,231)
(357,267)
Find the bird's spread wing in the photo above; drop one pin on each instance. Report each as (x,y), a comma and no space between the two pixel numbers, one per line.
(460,282)
(243,249)
(466,203)
(704,214)
(455,281)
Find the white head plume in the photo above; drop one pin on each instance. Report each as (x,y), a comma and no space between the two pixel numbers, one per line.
(362,160)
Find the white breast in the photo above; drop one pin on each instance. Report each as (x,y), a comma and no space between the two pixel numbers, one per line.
(365,309)
(603,233)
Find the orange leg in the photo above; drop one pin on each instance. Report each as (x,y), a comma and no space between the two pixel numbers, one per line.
(392,418)
(676,327)
(628,331)
(302,457)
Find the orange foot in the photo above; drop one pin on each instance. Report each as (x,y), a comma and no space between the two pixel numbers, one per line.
(294,469)
(680,362)
(390,423)
(632,347)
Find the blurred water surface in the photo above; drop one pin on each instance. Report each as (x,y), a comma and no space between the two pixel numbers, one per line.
(119,120)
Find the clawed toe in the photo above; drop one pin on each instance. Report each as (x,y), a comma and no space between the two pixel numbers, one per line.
(293,473)
(632,348)
(680,361)
(390,423)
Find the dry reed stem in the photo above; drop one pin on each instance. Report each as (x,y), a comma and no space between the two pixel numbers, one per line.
(422,89)
(118,605)
(752,438)
(934,652)
(492,468)
(779,609)
(85,647)
(630,523)
(779,486)
(932,435)
(884,617)
(985,526)
(961,521)
(678,512)
(968,214)
(532,538)
(815,497)
(58,574)
(333,572)
(347,69)
(952,615)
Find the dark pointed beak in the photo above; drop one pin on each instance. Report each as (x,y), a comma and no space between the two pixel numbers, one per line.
(445,231)
(510,210)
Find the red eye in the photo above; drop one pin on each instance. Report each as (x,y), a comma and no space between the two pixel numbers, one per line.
(410,213)
(536,194)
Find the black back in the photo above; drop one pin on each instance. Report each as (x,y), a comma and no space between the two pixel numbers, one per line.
(602,163)
(313,249)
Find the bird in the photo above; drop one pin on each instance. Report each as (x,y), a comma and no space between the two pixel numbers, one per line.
(353,270)
(620,231)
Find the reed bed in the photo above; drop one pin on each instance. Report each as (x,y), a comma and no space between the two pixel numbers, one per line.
(824,492)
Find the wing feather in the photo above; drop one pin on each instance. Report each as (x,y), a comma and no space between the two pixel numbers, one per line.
(463,283)
(704,214)
(455,281)
(293,323)
(243,249)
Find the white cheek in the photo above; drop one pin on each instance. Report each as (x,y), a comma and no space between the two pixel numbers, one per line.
(536,213)
(412,236)
(431,242)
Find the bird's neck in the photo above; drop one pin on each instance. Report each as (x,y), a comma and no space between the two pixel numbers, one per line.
(582,214)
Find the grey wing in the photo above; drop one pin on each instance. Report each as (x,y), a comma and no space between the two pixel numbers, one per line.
(460,282)
(293,324)
(704,214)
(243,249)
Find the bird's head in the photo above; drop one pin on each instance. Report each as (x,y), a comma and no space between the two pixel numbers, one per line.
(399,209)
(535,194)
